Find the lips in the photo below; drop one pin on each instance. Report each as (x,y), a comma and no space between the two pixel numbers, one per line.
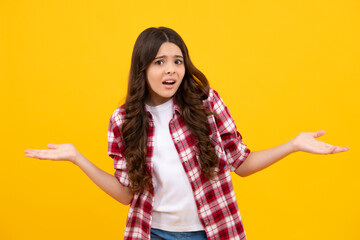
(169,82)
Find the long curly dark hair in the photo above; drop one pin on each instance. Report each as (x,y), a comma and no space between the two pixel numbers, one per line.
(190,95)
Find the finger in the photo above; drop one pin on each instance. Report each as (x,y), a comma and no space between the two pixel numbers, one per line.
(333,149)
(30,150)
(33,155)
(340,149)
(52,146)
(325,149)
(328,145)
(39,151)
(318,133)
(39,154)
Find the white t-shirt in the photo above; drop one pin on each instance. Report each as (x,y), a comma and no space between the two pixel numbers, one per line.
(174,206)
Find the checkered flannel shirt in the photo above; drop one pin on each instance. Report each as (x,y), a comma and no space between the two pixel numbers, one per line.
(215,199)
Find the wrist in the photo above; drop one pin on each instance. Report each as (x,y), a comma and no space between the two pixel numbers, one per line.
(293,146)
(77,158)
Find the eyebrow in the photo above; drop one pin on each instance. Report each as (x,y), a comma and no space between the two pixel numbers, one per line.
(164,56)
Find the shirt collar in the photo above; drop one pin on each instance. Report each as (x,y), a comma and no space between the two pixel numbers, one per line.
(176,108)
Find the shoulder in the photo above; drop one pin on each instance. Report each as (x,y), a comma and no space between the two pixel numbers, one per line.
(213,100)
(118,116)
(213,94)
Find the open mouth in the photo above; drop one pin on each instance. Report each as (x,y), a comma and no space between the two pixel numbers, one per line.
(169,82)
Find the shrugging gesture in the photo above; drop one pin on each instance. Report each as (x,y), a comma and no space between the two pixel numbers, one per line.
(256,161)
(167,92)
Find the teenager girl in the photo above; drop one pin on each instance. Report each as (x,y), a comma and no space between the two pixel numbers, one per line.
(174,144)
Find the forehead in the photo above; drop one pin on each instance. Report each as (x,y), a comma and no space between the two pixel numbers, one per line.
(169,49)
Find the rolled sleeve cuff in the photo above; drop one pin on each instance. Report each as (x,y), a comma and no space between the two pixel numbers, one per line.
(120,169)
(122,177)
(238,155)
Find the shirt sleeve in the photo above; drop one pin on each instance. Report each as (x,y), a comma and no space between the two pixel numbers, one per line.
(235,150)
(116,149)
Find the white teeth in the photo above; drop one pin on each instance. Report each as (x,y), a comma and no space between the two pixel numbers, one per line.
(169,82)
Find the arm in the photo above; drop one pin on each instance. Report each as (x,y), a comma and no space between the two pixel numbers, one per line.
(107,182)
(305,142)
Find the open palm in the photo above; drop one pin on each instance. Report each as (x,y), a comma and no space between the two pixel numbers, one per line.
(306,142)
(65,152)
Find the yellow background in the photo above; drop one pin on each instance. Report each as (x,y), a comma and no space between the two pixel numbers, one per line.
(282,67)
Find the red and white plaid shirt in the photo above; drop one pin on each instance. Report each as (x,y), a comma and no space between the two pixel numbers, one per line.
(215,199)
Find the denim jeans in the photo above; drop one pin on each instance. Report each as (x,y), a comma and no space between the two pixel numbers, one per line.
(158,234)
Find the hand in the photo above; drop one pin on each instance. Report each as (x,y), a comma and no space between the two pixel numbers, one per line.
(306,142)
(64,152)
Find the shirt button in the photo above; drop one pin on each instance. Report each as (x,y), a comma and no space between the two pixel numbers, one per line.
(177,140)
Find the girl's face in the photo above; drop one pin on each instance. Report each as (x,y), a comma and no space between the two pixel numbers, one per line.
(165,74)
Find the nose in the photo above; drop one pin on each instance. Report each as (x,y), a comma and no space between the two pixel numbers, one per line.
(170,68)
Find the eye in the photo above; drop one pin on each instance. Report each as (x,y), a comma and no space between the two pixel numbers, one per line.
(160,62)
(178,62)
